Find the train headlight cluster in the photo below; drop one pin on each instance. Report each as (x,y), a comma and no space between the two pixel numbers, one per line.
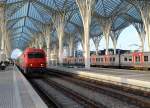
(31,65)
(42,65)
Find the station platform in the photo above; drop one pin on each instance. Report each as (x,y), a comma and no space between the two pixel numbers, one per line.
(131,78)
(16,92)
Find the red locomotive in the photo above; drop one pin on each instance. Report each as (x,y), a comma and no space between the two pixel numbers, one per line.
(32,60)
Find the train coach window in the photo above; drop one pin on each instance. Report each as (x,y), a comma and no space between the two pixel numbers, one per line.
(125,59)
(113,58)
(137,58)
(96,59)
(110,59)
(145,58)
(102,59)
(130,59)
(35,55)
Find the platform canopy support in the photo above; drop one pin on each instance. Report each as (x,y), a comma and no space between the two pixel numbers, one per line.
(96,40)
(71,44)
(5,34)
(106,24)
(144,7)
(140,29)
(8,44)
(36,45)
(59,23)
(48,40)
(2,26)
(85,8)
(40,41)
(114,36)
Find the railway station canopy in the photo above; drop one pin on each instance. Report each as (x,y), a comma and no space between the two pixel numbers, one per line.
(59,23)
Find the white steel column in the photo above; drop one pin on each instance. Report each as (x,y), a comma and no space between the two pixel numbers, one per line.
(47,40)
(106,24)
(144,7)
(2,26)
(59,20)
(40,42)
(114,36)
(85,7)
(115,45)
(96,41)
(71,46)
(140,29)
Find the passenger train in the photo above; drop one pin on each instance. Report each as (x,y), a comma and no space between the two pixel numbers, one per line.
(138,60)
(32,61)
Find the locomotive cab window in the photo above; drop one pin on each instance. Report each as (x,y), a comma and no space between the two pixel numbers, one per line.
(145,58)
(36,55)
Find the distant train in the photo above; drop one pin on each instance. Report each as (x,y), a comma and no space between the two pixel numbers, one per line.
(140,60)
(32,61)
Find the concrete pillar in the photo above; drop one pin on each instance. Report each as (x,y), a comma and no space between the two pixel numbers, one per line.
(85,8)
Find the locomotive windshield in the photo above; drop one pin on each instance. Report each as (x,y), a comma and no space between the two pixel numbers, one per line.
(36,55)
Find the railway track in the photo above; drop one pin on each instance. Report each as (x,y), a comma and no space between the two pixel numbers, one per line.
(43,93)
(127,95)
(87,103)
(73,98)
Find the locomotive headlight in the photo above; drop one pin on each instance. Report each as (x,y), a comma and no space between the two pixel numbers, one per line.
(31,65)
(42,65)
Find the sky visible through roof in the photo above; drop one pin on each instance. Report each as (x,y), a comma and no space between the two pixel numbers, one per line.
(128,40)
(30,17)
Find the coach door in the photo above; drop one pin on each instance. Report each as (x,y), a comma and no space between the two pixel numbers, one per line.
(138,58)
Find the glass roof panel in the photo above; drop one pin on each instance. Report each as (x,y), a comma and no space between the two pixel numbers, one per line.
(27,17)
